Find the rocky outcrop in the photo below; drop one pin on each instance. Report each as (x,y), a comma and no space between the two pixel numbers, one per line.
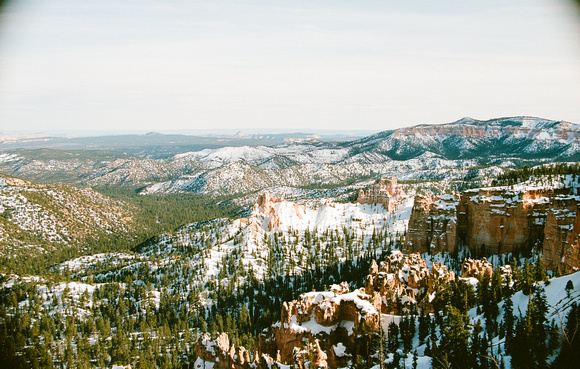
(404,280)
(475,268)
(329,322)
(498,220)
(224,356)
(398,281)
(385,191)
(561,247)
(325,329)
(319,320)
(433,224)
(266,212)
(316,357)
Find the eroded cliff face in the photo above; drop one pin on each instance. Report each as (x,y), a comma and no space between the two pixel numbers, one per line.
(498,220)
(468,128)
(562,235)
(385,191)
(267,211)
(475,268)
(221,355)
(501,220)
(404,280)
(433,224)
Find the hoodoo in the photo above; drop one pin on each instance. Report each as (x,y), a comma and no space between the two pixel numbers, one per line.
(385,191)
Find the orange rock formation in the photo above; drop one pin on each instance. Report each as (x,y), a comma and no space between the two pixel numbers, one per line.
(385,191)
(498,220)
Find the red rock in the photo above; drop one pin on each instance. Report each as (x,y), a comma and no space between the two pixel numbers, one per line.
(433,225)
(385,191)
(476,268)
(498,220)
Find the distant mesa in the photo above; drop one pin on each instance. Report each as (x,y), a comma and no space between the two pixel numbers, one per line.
(521,127)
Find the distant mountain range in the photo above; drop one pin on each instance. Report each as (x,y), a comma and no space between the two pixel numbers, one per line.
(159,145)
(238,166)
(524,137)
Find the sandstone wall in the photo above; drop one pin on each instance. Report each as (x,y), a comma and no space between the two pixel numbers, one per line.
(433,225)
(564,131)
(498,220)
(560,247)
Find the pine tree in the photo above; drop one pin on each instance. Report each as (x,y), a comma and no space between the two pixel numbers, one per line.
(455,334)
(407,331)
(496,289)
(380,346)
(359,363)
(569,288)
(528,348)
(508,322)
(570,340)
(475,345)
(516,277)
(539,270)
(424,322)
(527,282)
(463,296)
(521,348)
(538,314)
(393,337)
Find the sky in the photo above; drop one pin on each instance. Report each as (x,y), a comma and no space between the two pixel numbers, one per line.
(143,65)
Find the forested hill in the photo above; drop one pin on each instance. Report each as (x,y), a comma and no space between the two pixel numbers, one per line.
(44,224)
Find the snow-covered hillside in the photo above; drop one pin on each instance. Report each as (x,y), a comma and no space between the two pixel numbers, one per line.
(522,137)
(278,238)
(284,237)
(36,216)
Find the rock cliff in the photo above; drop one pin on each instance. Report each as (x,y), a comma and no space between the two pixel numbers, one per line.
(474,268)
(319,321)
(219,352)
(433,224)
(498,220)
(561,247)
(266,213)
(527,127)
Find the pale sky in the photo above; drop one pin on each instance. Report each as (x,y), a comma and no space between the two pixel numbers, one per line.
(373,65)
